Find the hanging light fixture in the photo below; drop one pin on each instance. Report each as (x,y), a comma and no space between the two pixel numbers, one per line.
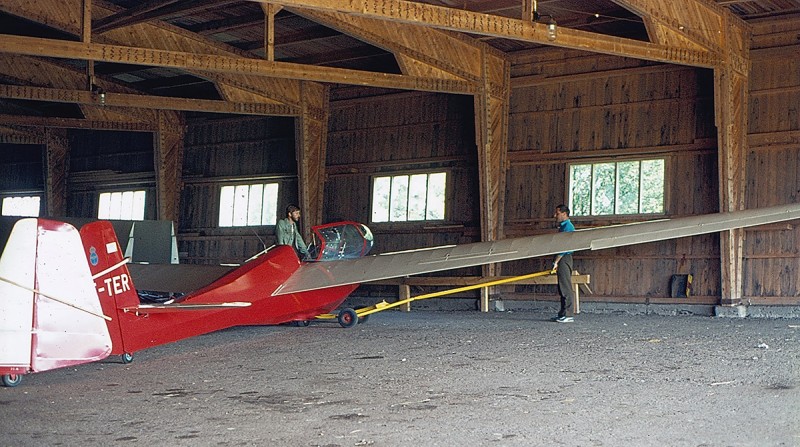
(552,29)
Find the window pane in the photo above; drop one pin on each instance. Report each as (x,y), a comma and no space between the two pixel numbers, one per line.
(652,186)
(417,188)
(27,206)
(603,189)
(115,206)
(137,212)
(627,187)
(436,196)
(226,206)
(240,205)
(398,208)
(580,180)
(254,203)
(380,199)
(104,207)
(269,213)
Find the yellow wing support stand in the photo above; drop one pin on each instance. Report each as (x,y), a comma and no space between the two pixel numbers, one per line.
(350,317)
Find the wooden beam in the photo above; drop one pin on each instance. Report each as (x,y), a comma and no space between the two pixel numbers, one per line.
(143,101)
(504,27)
(154,10)
(11,134)
(74,123)
(222,64)
(448,53)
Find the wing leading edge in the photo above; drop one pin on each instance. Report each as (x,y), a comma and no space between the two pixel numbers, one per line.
(321,275)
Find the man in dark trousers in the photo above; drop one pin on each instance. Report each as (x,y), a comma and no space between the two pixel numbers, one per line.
(287,234)
(563,267)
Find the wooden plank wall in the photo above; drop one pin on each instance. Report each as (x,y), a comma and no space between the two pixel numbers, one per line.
(102,161)
(225,151)
(568,106)
(22,167)
(402,133)
(772,254)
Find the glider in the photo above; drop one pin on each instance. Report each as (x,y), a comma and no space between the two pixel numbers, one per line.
(68,297)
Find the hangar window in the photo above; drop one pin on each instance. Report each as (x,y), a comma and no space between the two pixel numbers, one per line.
(617,188)
(248,205)
(25,206)
(401,198)
(122,205)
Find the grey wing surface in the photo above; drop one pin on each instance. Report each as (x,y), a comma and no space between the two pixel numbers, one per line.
(321,275)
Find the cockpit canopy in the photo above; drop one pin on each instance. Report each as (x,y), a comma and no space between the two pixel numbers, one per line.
(340,240)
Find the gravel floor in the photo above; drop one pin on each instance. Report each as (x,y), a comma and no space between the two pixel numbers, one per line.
(433,378)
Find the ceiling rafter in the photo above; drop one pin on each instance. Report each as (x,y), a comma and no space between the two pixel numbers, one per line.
(165,35)
(154,10)
(445,53)
(223,64)
(508,28)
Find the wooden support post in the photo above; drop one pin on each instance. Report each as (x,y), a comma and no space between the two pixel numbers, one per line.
(57,147)
(168,164)
(491,129)
(311,140)
(403,294)
(270,9)
(731,90)
(86,37)
(529,10)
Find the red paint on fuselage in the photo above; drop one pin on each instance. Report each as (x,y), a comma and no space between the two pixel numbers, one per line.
(254,283)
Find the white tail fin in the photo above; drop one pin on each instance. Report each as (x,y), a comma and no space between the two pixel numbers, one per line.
(50,316)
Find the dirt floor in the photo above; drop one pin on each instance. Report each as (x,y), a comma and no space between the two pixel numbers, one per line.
(433,378)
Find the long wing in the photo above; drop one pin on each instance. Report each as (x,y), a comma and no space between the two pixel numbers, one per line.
(320,275)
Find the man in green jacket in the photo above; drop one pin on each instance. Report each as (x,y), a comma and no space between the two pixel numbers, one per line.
(287,233)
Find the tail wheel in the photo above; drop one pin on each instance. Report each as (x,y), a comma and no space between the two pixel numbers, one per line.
(126,357)
(12,380)
(347,318)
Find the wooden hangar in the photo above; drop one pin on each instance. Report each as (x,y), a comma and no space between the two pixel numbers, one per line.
(507,97)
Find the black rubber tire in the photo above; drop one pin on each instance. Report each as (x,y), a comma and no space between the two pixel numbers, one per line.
(126,358)
(12,380)
(347,318)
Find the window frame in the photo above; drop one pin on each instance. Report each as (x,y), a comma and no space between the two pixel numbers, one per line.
(123,191)
(249,184)
(23,194)
(445,203)
(569,190)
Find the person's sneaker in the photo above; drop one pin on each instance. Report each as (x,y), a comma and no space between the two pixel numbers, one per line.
(564,320)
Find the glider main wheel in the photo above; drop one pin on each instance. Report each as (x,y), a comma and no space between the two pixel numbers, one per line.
(347,318)
(12,380)
(303,323)
(126,357)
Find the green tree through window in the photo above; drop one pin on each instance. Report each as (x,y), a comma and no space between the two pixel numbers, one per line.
(617,188)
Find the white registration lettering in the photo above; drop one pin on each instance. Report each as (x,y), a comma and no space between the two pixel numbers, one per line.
(116,284)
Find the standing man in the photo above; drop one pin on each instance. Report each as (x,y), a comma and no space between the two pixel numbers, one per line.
(287,233)
(563,267)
